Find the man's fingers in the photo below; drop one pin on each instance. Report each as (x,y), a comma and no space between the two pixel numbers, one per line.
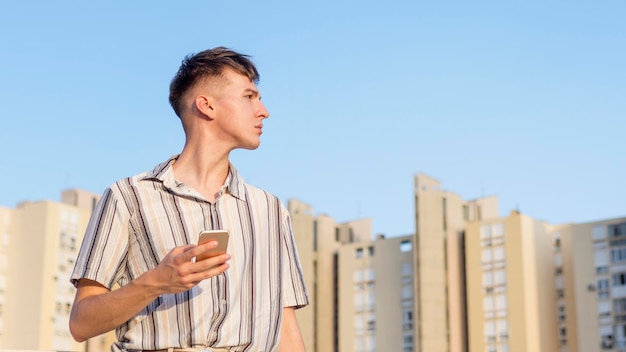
(187,247)
(186,253)
(210,272)
(212,261)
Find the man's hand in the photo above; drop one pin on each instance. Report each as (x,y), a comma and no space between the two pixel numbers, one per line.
(177,272)
(97,310)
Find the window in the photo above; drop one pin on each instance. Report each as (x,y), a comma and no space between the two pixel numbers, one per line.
(603,295)
(359,343)
(407,342)
(559,281)
(490,331)
(561,311)
(598,232)
(501,302)
(407,269)
(498,254)
(619,279)
(359,325)
(371,300)
(488,303)
(497,230)
(616,230)
(370,251)
(620,335)
(604,308)
(359,253)
(407,319)
(358,301)
(601,258)
(500,276)
(487,278)
(485,232)
(371,323)
(406,246)
(407,292)
(486,255)
(558,259)
(503,330)
(358,276)
(556,236)
(619,305)
(618,254)
(371,343)
(606,333)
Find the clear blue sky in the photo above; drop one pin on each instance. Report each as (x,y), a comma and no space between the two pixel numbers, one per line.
(525,100)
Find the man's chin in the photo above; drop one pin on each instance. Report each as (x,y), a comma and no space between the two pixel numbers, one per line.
(251,147)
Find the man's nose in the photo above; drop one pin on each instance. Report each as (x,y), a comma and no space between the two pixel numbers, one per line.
(263,113)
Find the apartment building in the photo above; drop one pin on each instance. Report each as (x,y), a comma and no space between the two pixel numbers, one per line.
(439,261)
(376,295)
(510,285)
(361,289)
(39,242)
(590,284)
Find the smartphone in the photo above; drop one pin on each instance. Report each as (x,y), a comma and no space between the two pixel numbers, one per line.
(221,236)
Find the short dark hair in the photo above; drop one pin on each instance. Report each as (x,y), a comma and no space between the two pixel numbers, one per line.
(207,64)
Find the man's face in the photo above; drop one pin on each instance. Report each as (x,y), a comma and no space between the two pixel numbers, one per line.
(239,111)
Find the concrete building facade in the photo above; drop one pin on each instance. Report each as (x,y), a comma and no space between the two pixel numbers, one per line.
(361,289)
(510,285)
(376,295)
(439,262)
(39,242)
(590,285)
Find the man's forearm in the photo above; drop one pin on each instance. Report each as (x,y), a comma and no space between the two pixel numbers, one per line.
(290,336)
(97,310)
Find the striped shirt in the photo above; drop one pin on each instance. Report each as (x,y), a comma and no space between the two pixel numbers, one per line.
(141,218)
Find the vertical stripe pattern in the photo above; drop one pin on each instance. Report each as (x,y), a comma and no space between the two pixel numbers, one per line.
(140,219)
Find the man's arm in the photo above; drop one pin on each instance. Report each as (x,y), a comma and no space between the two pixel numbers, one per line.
(290,337)
(97,310)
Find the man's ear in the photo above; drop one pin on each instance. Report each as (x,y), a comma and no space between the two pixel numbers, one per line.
(205,105)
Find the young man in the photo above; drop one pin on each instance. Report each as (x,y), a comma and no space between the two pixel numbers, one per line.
(144,231)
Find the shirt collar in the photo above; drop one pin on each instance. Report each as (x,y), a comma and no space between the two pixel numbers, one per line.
(163,172)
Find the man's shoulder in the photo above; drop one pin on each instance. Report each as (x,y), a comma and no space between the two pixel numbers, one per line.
(138,180)
(131,181)
(258,191)
(257,194)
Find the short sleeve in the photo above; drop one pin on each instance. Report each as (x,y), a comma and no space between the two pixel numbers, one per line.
(105,245)
(294,288)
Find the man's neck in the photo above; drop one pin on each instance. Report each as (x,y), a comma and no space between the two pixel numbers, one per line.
(202,169)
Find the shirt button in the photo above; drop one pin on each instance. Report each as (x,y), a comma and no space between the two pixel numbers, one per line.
(223,302)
